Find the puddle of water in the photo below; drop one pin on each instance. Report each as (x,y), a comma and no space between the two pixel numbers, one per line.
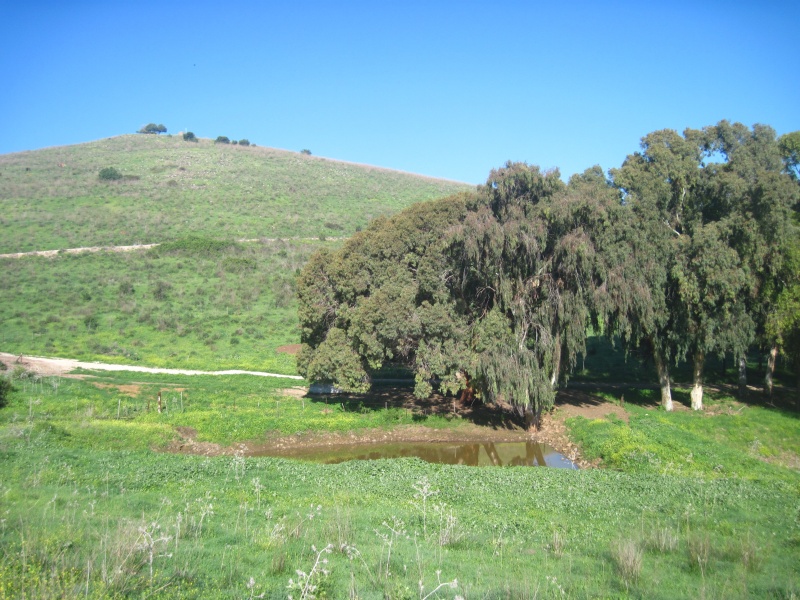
(489,454)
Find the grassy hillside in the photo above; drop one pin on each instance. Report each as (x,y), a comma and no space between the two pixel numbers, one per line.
(53,198)
(204,302)
(195,303)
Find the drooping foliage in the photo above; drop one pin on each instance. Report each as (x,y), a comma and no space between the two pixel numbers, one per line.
(686,251)
(487,292)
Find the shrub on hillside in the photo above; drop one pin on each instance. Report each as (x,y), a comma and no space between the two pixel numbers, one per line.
(5,390)
(244,142)
(193,245)
(109,174)
(221,139)
(305,151)
(189,137)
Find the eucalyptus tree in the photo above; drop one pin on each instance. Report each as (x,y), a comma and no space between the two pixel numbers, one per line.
(694,264)
(487,293)
(385,298)
(755,185)
(655,184)
(527,264)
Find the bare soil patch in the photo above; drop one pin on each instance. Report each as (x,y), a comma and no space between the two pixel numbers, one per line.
(290,349)
(131,390)
(294,392)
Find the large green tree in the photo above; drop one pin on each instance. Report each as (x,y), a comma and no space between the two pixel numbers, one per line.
(716,205)
(692,263)
(488,293)
(757,190)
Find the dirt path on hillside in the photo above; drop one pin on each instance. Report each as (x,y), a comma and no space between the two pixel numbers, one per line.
(134,247)
(63,366)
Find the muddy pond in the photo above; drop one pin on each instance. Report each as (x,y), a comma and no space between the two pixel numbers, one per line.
(488,454)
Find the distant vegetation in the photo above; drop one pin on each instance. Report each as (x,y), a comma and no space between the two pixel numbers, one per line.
(194,302)
(201,299)
(189,137)
(153,128)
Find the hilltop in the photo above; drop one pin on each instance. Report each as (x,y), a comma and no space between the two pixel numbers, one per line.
(54,198)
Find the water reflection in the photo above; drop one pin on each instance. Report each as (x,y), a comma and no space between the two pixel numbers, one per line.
(487,454)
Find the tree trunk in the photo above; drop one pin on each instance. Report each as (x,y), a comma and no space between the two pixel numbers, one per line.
(556,359)
(663,379)
(533,418)
(768,379)
(797,386)
(742,376)
(697,386)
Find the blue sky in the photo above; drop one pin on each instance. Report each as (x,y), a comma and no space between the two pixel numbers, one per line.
(447,89)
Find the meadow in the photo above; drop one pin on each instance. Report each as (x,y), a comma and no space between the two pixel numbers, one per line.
(689,505)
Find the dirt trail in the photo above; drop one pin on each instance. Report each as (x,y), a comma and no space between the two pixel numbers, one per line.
(61,366)
(134,247)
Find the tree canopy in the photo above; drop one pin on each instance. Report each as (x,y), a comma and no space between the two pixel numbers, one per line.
(688,249)
(152,128)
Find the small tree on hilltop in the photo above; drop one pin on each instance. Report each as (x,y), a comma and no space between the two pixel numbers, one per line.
(244,142)
(153,128)
(189,137)
(305,151)
(222,140)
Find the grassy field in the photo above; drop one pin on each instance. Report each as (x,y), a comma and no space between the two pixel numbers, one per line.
(53,198)
(195,303)
(693,505)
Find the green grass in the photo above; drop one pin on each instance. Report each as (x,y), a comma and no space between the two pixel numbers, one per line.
(84,499)
(730,439)
(53,198)
(196,303)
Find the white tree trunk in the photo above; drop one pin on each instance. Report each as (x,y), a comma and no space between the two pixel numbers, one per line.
(663,380)
(697,386)
(556,360)
(773,357)
(742,375)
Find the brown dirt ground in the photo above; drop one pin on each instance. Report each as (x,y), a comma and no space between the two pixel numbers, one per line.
(289,349)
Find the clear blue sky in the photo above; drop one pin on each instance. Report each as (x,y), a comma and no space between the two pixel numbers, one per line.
(448,89)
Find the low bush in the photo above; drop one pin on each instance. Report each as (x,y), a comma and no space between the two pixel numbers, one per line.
(5,390)
(109,174)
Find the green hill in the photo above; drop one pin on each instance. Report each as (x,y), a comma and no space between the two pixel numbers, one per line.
(203,301)
(54,198)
